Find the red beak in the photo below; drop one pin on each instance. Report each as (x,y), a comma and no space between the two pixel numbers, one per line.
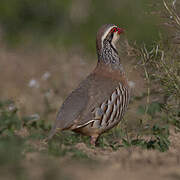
(120,30)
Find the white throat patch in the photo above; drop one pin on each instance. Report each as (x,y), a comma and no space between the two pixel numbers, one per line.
(106,33)
(115,38)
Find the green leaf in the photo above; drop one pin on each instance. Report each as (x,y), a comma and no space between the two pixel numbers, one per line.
(141,109)
(154,108)
(125,143)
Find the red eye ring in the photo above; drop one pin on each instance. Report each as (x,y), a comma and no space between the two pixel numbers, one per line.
(117,29)
(114,29)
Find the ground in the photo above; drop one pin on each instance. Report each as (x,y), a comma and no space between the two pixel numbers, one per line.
(125,163)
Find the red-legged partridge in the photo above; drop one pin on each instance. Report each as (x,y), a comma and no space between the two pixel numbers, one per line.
(99,102)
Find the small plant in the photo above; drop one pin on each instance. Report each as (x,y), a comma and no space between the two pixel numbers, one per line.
(161,67)
(149,134)
(163,70)
(158,139)
(9,120)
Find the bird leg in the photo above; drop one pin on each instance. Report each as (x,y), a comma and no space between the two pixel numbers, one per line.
(94,140)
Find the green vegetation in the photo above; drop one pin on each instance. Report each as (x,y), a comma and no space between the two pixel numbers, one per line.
(68,22)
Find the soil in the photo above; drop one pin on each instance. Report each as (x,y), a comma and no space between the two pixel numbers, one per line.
(131,164)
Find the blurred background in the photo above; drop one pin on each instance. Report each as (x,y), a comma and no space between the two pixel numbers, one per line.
(47,47)
(75,22)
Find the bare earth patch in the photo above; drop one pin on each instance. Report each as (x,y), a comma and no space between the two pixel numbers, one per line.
(125,163)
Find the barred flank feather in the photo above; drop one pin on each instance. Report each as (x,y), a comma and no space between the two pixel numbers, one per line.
(116,106)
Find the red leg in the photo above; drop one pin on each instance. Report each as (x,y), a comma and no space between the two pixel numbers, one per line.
(94,140)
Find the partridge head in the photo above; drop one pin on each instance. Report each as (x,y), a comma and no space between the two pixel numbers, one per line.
(99,102)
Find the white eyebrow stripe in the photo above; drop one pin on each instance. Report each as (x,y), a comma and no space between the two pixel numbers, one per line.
(105,34)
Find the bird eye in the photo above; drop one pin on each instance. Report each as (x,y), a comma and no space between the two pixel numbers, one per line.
(114,29)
